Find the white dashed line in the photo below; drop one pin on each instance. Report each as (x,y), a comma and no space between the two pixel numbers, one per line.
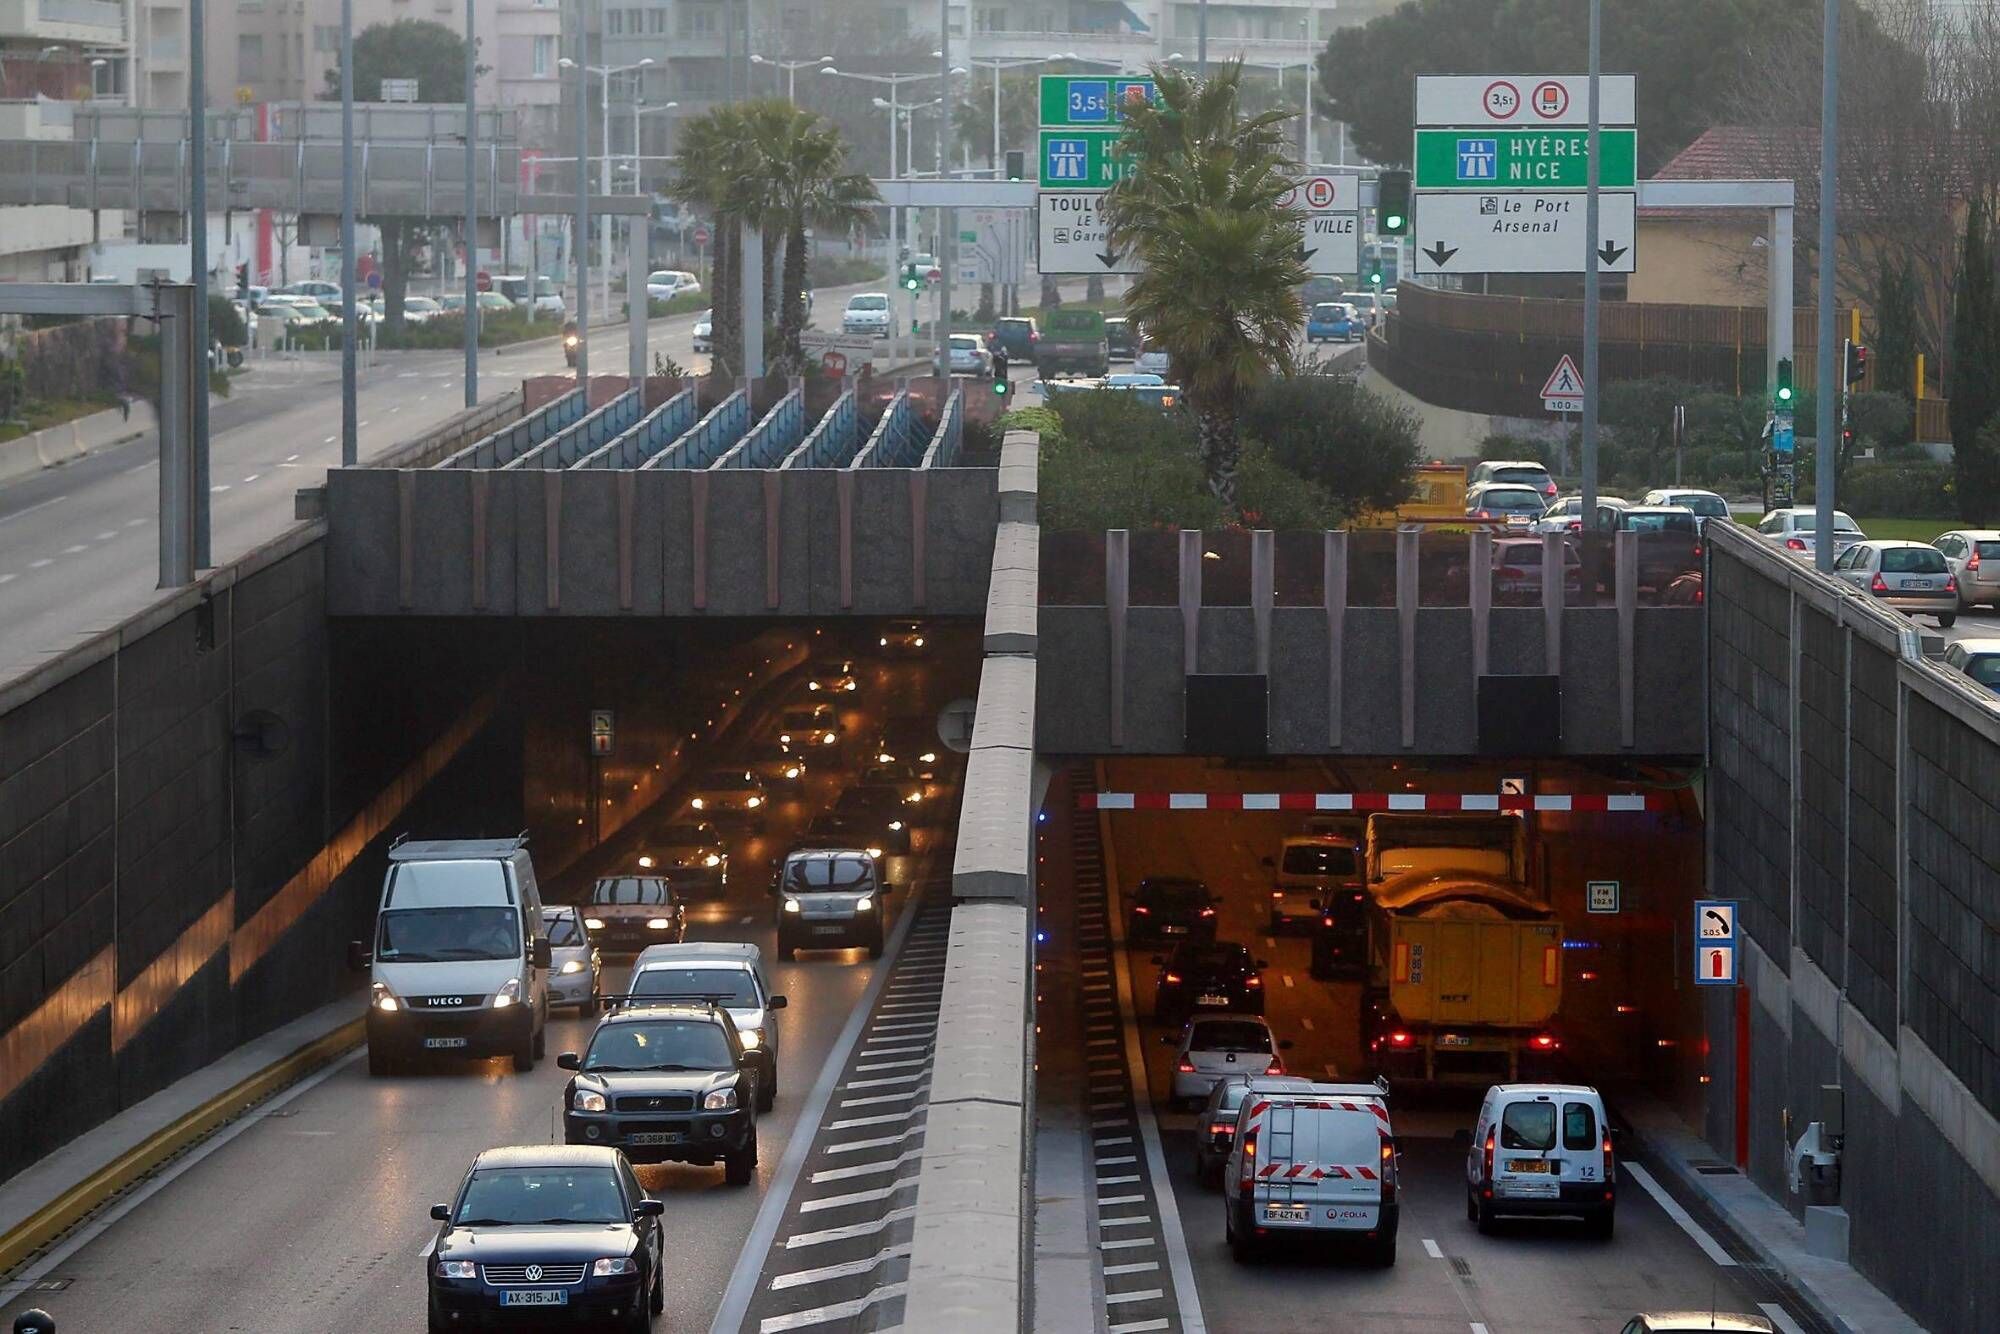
(1138,1326)
(78,549)
(1142,1295)
(105,537)
(851,1231)
(1431,1249)
(8,578)
(133,523)
(1137,1267)
(42,505)
(251,478)
(821,1315)
(219,488)
(847,1269)
(1125,1244)
(41,564)
(294,458)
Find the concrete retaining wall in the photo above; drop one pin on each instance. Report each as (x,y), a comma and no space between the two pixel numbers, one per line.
(1853,814)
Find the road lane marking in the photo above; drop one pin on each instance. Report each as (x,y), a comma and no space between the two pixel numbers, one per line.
(1138,1326)
(1431,1249)
(1141,1295)
(1120,1159)
(1104,1201)
(327,441)
(1478,1328)
(879,1142)
(1125,1244)
(41,564)
(1673,1210)
(8,578)
(219,488)
(878,1099)
(846,1269)
(1288,980)
(1137,1220)
(252,477)
(821,1315)
(105,537)
(1125,1180)
(294,458)
(1136,1267)
(133,523)
(78,549)
(43,504)
(852,1230)
(1103,1140)
(867,1169)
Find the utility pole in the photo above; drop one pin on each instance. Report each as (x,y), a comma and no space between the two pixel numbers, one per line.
(198,263)
(1590,292)
(1824,451)
(947,217)
(350,406)
(1201,39)
(580,240)
(472,221)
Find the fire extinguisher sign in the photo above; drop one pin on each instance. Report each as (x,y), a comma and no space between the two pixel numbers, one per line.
(1715,942)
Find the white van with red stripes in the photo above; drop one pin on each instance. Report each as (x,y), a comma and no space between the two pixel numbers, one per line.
(1313,1163)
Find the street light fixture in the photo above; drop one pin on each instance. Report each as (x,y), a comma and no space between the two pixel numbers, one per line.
(997,65)
(605,73)
(639,108)
(791,69)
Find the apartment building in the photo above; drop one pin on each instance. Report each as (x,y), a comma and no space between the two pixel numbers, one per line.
(53,55)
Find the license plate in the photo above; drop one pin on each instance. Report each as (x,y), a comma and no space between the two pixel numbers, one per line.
(1287,1213)
(828,930)
(1453,1040)
(535,1297)
(1916,583)
(444,1044)
(1540,1165)
(1173,930)
(1211,999)
(646,1137)
(1518,521)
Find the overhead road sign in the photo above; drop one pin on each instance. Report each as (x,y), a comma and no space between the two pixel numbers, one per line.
(1563,391)
(1541,232)
(1535,100)
(1081,159)
(1524,159)
(1091,99)
(1325,192)
(1070,235)
(1331,243)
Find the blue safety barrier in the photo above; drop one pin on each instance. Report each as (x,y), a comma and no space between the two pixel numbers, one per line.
(887,441)
(771,439)
(829,444)
(705,442)
(594,432)
(942,452)
(658,429)
(504,446)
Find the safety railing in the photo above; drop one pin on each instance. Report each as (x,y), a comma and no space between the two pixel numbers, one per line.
(828,444)
(660,428)
(504,446)
(942,452)
(886,442)
(587,436)
(771,439)
(705,442)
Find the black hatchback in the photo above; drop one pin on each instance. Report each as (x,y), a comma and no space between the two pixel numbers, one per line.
(1207,975)
(1166,907)
(547,1234)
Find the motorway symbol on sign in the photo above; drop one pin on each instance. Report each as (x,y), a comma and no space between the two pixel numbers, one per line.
(1601,896)
(1552,99)
(1068,99)
(1539,232)
(1715,965)
(1715,921)
(1080,159)
(1070,235)
(1528,158)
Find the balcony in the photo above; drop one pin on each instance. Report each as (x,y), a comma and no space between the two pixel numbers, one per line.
(97,22)
(1131,49)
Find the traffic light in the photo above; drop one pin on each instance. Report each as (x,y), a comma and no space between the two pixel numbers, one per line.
(1017,164)
(1392,204)
(913,277)
(1375,277)
(1857,362)
(1782,393)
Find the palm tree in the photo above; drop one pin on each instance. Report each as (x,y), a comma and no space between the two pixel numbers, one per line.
(1219,287)
(712,146)
(813,189)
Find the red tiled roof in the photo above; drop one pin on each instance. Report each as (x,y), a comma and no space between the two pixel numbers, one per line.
(1739,153)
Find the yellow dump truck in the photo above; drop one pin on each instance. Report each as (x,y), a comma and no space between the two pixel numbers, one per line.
(1465,957)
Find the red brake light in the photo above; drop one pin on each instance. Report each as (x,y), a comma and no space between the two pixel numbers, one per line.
(1171,977)
(1549,490)
(1388,1170)
(1950,584)
(1326,921)
(1276,1067)
(1794,544)
(1143,910)
(1697,551)
(1876,585)
(1545,1042)
(1482,514)
(1185,1067)
(1972,563)
(1253,981)
(1227,1128)
(1576,525)
(1399,1039)
(1208,912)
(1512,572)
(1489,1161)
(1248,1185)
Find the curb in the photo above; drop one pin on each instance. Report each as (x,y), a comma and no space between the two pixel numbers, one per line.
(71,1207)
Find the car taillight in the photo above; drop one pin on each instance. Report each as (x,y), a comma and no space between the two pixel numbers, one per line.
(1276,1067)
(1253,981)
(1208,912)
(1229,1128)
(1549,490)
(1481,514)
(1326,921)
(1185,1067)
(1248,1185)
(1697,551)
(1143,910)
(1795,544)
(1545,1042)
(1950,584)
(1388,1171)
(1399,1039)
(1171,977)
(1576,525)
(1512,572)
(1972,562)
(1489,1164)
(1876,585)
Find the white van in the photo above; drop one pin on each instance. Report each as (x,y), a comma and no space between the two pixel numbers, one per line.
(1315,1163)
(1541,1150)
(459,963)
(724,973)
(1310,869)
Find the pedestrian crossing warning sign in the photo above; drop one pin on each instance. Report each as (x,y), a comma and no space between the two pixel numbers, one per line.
(1565,381)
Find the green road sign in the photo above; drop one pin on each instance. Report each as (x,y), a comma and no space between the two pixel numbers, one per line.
(1497,159)
(1081,159)
(1090,99)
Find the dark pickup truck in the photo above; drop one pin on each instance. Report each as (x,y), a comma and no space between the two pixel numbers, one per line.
(1073,342)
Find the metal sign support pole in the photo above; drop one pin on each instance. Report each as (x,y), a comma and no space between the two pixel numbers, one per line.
(947,217)
(198,271)
(350,407)
(580,238)
(1828,294)
(1590,275)
(177,387)
(472,220)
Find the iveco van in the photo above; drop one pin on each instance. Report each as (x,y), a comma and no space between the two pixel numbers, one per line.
(458,965)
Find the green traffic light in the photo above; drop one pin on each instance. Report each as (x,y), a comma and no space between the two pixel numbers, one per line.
(1783,392)
(1000,387)
(1375,278)
(1393,223)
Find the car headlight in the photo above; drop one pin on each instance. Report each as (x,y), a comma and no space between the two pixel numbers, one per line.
(784,738)
(594,923)
(895,826)
(885,641)
(864,903)
(828,739)
(752,1038)
(383,999)
(713,859)
(508,994)
(793,772)
(457,1269)
(791,905)
(614,1264)
(812,685)
(918,641)
(876,853)
(646,863)
(572,966)
(698,804)
(719,1100)
(754,802)
(928,757)
(851,685)
(656,924)
(885,757)
(914,798)
(588,1100)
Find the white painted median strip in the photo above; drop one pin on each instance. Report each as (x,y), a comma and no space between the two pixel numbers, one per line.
(1673,1210)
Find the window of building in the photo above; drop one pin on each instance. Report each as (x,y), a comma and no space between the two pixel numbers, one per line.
(697,20)
(699,77)
(326,37)
(250,55)
(635,21)
(993,20)
(656,21)
(544,57)
(614,22)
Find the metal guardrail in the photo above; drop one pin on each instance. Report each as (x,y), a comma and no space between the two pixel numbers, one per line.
(828,444)
(586,436)
(942,452)
(771,440)
(885,442)
(516,440)
(705,442)
(657,430)
(661,429)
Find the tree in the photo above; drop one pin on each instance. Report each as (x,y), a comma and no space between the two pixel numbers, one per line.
(1219,290)
(807,162)
(1020,113)
(711,178)
(1894,349)
(1974,383)
(430,53)
(1323,426)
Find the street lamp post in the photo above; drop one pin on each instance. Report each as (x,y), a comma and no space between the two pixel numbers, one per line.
(604,74)
(997,66)
(639,108)
(791,69)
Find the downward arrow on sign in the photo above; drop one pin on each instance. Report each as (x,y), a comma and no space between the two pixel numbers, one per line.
(1106,258)
(1305,255)
(1609,253)
(1439,253)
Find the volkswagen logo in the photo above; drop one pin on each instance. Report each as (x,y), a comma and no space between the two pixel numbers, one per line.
(534,1273)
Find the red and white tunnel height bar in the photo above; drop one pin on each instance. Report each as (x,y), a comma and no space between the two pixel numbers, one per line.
(1616,803)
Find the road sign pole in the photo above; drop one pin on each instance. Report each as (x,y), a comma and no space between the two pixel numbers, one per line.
(1590,278)
(1823,451)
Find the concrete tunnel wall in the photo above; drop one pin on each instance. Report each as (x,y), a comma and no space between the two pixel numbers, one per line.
(1853,815)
